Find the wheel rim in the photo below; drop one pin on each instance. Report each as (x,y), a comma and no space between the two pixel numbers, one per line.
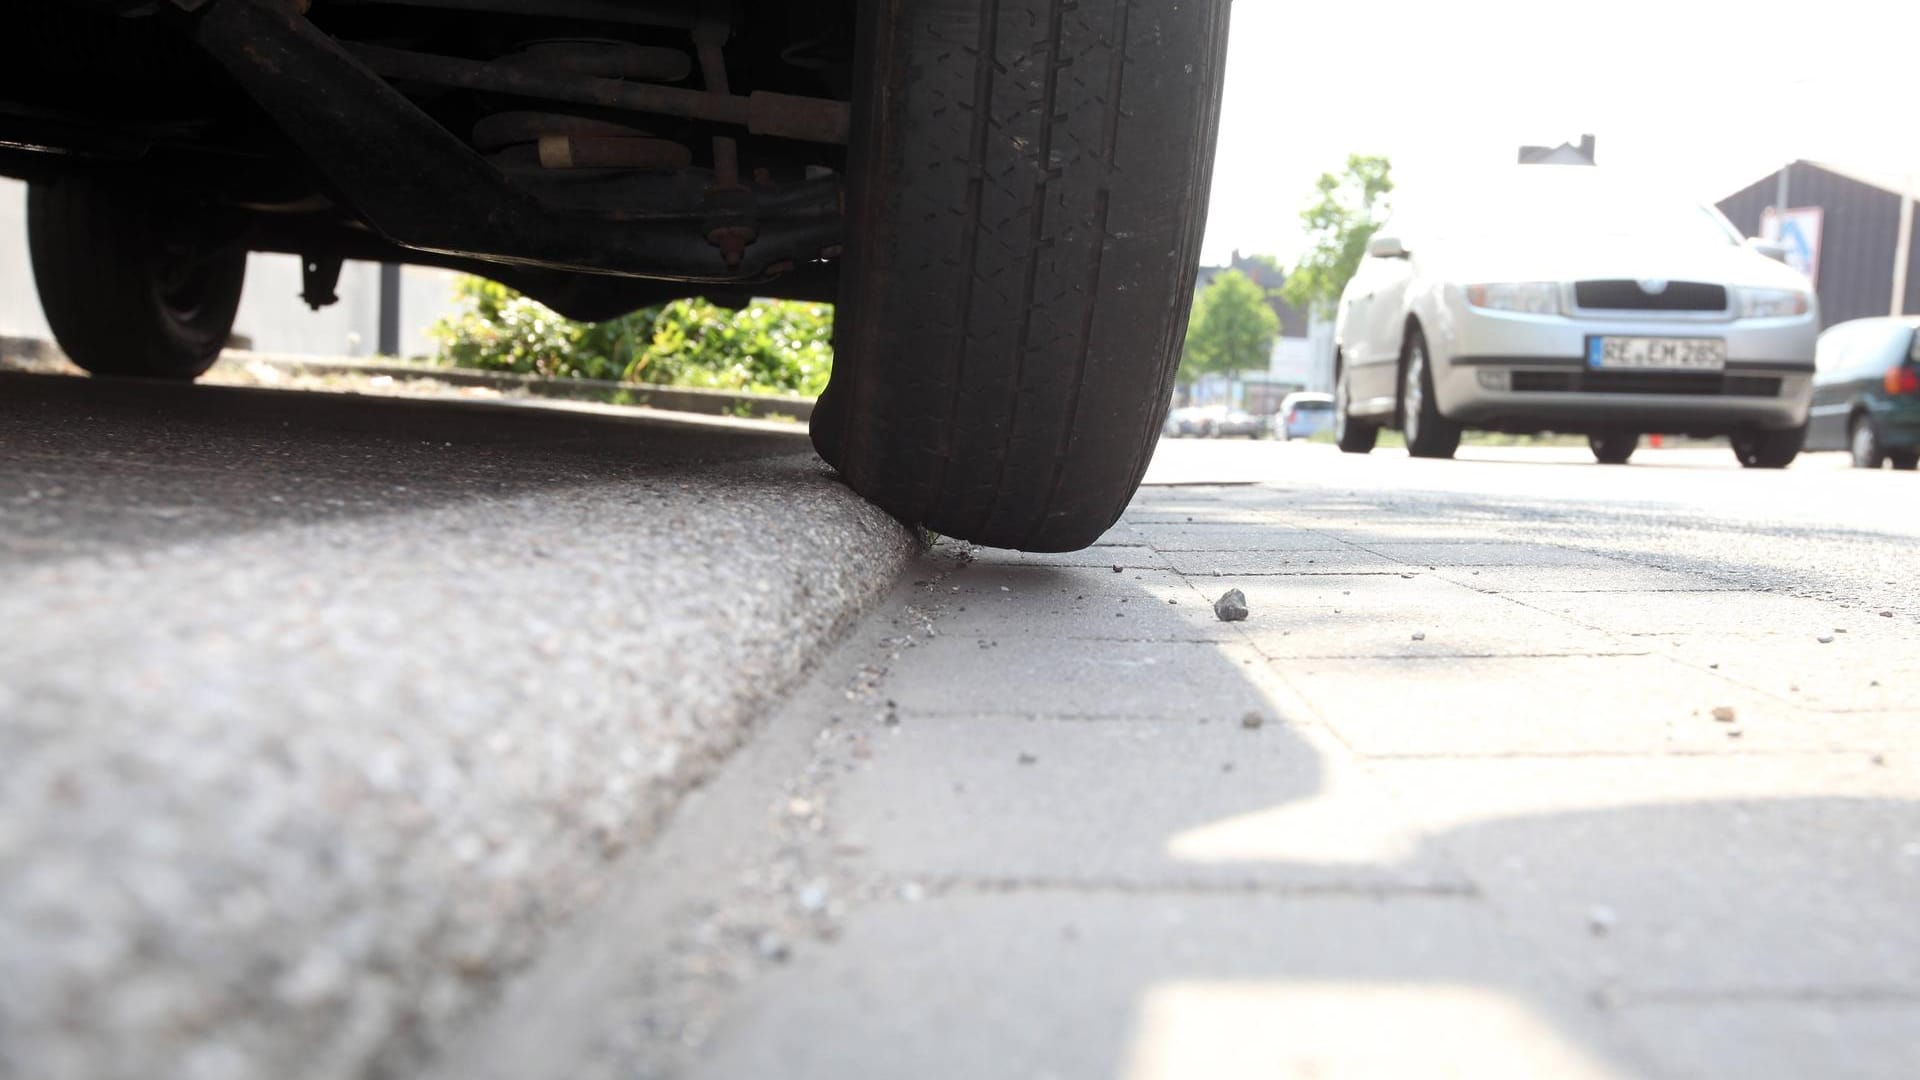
(1863,444)
(1414,395)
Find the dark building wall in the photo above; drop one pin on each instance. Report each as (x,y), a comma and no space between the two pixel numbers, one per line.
(1858,232)
(1912,306)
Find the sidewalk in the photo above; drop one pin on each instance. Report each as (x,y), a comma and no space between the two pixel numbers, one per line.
(1459,798)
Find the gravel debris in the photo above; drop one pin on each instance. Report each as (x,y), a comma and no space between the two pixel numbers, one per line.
(1252,720)
(1825,639)
(1724,714)
(1601,920)
(1231,607)
(1419,635)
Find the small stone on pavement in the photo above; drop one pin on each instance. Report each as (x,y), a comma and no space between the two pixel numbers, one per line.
(1252,720)
(1723,713)
(1232,606)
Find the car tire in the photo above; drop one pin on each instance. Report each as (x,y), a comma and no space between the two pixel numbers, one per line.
(1615,447)
(1904,460)
(1429,434)
(1026,200)
(1350,435)
(1863,442)
(1769,449)
(127,290)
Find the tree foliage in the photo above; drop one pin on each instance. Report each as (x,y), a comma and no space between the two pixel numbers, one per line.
(1232,328)
(1347,208)
(778,346)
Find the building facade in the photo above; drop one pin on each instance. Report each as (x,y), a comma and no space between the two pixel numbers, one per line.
(1858,235)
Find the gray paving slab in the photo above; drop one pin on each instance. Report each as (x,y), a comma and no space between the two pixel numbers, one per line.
(1181,681)
(1390,615)
(1235,563)
(1849,1038)
(1770,876)
(1844,676)
(1213,805)
(1163,986)
(1524,705)
(1488,554)
(994,601)
(1270,536)
(1620,578)
(1719,615)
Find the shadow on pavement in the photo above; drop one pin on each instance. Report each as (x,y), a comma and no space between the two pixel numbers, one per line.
(1141,887)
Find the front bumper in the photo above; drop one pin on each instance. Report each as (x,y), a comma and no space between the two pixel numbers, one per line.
(1519,372)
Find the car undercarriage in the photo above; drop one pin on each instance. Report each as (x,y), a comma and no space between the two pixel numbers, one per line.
(1004,198)
(587,152)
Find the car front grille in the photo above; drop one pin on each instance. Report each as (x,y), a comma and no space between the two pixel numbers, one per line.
(1634,296)
(1704,383)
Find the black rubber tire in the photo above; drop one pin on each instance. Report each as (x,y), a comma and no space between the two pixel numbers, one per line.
(1429,434)
(1904,460)
(1863,443)
(1769,449)
(1350,435)
(1613,448)
(129,287)
(1027,193)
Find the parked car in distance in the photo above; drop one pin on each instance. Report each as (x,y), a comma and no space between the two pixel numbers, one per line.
(1866,392)
(1211,421)
(1303,415)
(1189,421)
(1239,423)
(1557,298)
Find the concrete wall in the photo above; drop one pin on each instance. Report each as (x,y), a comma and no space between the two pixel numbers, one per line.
(271,312)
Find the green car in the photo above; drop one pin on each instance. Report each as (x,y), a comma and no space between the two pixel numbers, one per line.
(1866,392)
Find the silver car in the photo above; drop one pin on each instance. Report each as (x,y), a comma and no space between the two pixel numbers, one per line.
(1554,298)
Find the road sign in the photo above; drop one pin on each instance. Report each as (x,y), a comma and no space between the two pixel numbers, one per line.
(1797,230)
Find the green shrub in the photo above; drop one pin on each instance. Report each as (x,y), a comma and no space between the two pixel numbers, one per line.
(769,346)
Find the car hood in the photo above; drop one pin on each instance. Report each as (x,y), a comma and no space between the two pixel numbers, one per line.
(1634,260)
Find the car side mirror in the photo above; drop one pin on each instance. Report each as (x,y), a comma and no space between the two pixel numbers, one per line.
(1386,247)
(1772,249)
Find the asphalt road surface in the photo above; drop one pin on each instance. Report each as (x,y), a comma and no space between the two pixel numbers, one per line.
(335,750)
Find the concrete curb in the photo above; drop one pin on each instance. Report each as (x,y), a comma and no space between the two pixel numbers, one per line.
(349,769)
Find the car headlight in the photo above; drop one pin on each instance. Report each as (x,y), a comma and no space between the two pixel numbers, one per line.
(1533,297)
(1772,303)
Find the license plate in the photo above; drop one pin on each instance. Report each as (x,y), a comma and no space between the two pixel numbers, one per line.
(1657,353)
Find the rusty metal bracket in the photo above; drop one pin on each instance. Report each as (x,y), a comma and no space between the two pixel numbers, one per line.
(319,277)
(786,116)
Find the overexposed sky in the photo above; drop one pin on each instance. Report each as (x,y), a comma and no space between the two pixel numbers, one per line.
(1704,96)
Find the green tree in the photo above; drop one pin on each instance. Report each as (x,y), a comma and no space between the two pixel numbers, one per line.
(1347,209)
(1232,328)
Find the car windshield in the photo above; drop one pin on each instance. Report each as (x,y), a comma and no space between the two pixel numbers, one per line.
(1313,406)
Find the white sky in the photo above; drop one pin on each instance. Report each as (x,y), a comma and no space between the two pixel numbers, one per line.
(1706,95)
